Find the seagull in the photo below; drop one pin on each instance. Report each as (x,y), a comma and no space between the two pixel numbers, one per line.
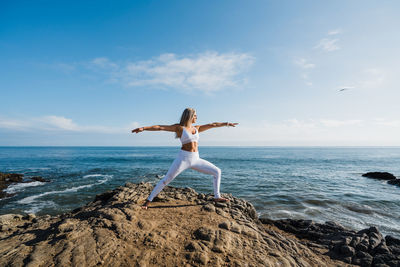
(345,88)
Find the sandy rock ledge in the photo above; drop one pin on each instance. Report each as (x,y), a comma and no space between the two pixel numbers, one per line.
(181,228)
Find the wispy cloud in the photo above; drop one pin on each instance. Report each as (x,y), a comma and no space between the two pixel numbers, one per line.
(339,123)
(385,122)
(206,72)
(59,123)
(302,63)
(328,45)
(318,131)
(12,124)
(103,62)
(335,32)
(371,78)
(305,67)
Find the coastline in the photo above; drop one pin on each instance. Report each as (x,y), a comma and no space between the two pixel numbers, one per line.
(183,227)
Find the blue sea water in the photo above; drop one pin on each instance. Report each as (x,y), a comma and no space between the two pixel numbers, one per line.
(319,183)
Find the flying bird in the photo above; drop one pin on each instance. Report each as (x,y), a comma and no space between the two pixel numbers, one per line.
(345,88)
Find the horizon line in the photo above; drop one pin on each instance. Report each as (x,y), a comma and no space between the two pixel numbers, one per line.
(337,146)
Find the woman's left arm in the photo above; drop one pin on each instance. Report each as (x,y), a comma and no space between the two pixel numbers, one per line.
(206,127)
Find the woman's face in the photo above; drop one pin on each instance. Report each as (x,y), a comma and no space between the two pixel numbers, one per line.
(194,118)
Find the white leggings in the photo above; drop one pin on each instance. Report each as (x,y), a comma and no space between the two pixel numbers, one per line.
(184,161)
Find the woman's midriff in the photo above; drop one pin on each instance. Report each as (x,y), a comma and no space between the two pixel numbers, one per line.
(190,147)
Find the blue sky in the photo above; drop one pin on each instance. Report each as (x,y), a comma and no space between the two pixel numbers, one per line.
(87,72)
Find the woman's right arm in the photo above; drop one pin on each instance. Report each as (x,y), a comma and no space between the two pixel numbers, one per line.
(168,128)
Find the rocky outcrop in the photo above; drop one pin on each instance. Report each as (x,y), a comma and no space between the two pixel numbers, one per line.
(383,176)
(380,175)
(180,228)
(366,247)
(7,179)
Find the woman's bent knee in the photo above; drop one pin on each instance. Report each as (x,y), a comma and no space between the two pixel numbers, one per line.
(218,172)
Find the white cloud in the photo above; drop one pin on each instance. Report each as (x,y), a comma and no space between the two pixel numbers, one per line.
(385,122)
(372,78)
(59,123)
(328,44)
(62,123)
(325,44)
(306,67)
(315,132)
(103,62)
(302,63)
(339,123)
(207,72)
(12,124)
(335,32)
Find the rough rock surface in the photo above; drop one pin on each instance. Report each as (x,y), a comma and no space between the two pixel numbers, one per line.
(366,247)
(380,175)
(181,228)
(7,179)
(394,182)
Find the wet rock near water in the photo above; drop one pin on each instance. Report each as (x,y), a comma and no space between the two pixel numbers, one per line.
(180,228)
(7,179)
(365,248)
(39,179)
(380,175)
(394,182)
(383,176)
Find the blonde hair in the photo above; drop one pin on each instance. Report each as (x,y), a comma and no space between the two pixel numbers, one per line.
(187,115)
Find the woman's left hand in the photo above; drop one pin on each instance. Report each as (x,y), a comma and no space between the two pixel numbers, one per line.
(138,130)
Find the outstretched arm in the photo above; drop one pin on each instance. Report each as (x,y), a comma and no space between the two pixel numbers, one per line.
(206,127)
(169,128)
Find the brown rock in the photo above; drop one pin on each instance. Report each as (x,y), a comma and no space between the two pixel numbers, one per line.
(204,233)
(113,230)
(209,207)
(40,179)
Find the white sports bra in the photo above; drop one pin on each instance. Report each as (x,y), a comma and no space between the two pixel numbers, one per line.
(188,137)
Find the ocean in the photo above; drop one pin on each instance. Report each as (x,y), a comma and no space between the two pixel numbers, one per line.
(318,183)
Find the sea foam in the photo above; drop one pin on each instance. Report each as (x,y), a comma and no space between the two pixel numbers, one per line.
(31,199)
(21,187)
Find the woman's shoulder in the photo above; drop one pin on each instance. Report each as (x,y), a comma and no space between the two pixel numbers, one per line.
(178,127)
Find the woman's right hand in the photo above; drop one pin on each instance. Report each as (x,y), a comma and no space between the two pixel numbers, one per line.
(138,130)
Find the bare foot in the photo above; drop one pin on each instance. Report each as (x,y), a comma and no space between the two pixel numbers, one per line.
(146,205)
(221,199)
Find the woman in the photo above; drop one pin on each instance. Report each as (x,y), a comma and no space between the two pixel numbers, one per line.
(188,157)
